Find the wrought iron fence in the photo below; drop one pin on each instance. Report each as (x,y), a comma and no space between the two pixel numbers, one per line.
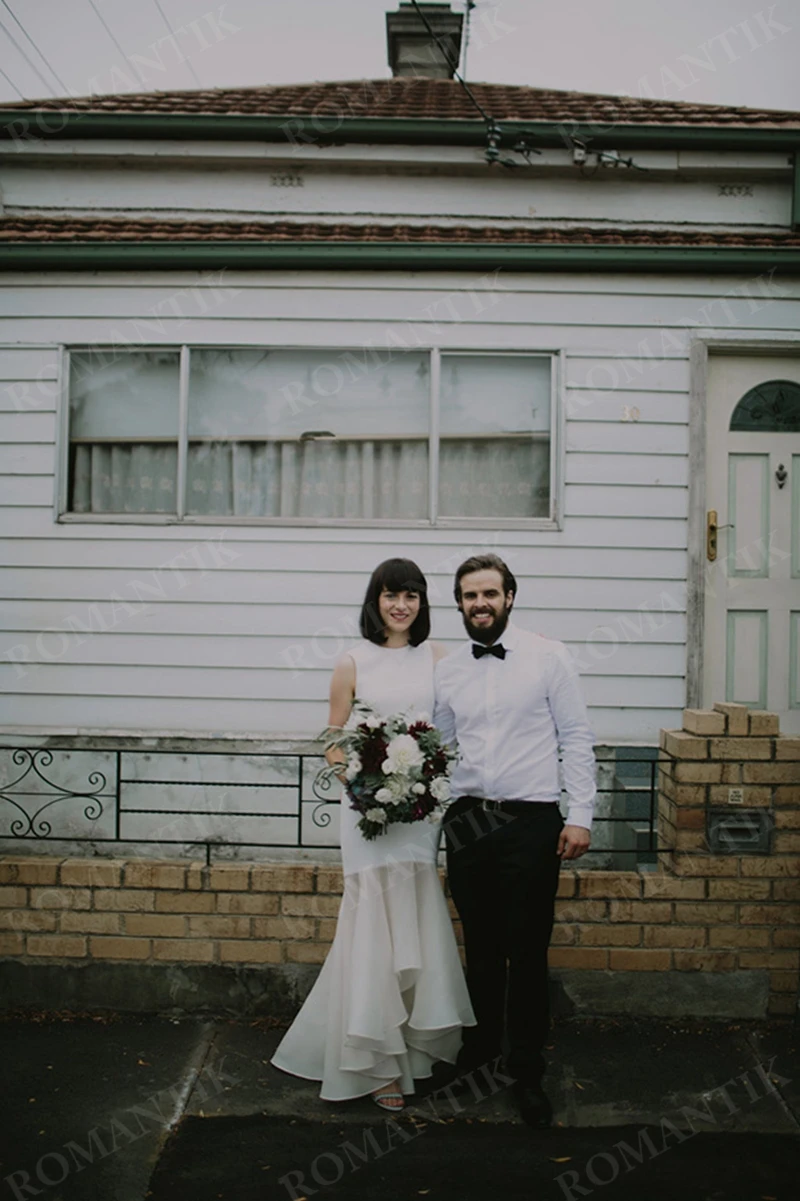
(50,795)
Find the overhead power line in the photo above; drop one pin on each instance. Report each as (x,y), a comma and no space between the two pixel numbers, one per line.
(195,76)
(448,58)
(110,33)
(494,131)
(52,71)
(32,66)
(11,83)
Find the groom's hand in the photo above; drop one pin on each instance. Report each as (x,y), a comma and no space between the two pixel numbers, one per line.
(573,842)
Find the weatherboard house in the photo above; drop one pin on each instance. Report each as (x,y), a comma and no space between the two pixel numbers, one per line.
(255,340)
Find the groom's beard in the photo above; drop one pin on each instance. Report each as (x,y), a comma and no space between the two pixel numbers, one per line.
(487,634)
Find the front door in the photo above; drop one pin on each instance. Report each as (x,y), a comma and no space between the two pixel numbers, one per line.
(752,589)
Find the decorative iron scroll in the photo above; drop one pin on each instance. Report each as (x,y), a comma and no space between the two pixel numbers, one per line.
(770,408)
(30,825)
(323,783)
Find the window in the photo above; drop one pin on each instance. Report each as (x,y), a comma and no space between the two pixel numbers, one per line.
(311,435)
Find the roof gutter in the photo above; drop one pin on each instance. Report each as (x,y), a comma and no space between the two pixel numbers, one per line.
(23,129)
(392,256)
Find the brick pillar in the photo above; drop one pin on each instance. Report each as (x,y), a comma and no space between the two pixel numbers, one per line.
(729,810)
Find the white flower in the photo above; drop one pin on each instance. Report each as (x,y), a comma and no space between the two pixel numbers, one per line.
(402,754)
(434,817)
(419,789)
(384,796)
(372,723)
(375,815)
(440,788)
(354,766)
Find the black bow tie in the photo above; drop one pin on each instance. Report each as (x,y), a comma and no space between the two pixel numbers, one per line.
(498,650)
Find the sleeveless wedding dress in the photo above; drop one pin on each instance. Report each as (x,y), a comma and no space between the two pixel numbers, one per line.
(391,997)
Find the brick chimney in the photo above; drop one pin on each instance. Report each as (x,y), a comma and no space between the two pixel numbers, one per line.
(412,50)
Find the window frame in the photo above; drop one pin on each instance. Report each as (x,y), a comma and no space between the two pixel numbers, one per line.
(433,521)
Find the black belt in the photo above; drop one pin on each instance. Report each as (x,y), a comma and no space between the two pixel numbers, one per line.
(490,806)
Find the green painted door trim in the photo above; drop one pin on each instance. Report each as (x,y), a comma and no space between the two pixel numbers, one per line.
(391,256)
(308,130)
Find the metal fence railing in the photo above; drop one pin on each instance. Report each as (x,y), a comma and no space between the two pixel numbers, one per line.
(213,799)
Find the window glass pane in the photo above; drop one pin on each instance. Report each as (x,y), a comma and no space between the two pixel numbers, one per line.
(123,426)
(308,433)
(494,453)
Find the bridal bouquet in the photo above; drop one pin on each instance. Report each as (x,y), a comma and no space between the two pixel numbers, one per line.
(397,769)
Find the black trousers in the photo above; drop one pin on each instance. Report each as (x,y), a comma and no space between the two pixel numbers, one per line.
(502,870)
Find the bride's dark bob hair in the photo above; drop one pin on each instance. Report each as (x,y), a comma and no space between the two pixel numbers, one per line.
(395,575)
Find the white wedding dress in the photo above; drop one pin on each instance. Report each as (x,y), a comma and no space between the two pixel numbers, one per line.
(391,997)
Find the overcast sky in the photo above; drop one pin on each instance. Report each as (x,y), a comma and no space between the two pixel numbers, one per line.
(713,51)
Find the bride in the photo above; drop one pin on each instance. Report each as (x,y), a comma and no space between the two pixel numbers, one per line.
(391,998)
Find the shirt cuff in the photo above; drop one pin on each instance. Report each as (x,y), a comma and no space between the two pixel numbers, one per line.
(579,815)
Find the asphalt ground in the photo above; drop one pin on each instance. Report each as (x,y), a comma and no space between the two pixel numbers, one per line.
(127,1108)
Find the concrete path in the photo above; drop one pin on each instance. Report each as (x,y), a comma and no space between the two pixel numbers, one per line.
(124,1108)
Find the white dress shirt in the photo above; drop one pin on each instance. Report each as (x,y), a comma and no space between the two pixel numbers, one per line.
(510,716)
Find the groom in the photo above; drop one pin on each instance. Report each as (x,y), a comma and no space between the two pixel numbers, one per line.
(510,699)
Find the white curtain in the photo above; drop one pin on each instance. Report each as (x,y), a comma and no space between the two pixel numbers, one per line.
(124,478)
(494,477)
(349,479)
(309,479)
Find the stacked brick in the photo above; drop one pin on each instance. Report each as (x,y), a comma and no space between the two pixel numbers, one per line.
(748,913)
(180,912)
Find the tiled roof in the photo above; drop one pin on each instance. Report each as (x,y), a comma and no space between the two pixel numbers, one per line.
(436,99)
(82,230)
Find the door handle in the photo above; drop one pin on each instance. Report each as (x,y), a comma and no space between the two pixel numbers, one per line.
(711,535)
(712,528)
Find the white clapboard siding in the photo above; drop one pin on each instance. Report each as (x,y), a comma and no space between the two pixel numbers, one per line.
(20,458)
(698,289)
(597,342)
(602,651)
(26,490)
(28,363)
(305,626)
(595,531)
(287,588)
(132,714)
(257,558)
(103,630)
(625,373)
(120,188)
(668,471)
(229,683)
(26,426)
(620,500)
(150,308)
(637,409)
(623,437)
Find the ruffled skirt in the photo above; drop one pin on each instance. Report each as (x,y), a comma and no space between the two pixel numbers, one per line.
(391,998)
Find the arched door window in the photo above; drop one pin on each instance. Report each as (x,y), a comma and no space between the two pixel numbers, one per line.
(769,408)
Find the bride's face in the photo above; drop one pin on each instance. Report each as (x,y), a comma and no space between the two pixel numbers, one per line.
(398,610)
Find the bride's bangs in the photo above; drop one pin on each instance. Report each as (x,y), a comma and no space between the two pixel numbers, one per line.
(401,575)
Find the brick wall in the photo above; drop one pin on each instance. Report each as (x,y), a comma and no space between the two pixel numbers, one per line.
(733,760)
(698,913)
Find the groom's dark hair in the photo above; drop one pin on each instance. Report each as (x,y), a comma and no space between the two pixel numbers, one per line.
(395,575)
(484,563)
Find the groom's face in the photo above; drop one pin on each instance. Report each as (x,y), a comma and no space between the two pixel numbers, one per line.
(484,606)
